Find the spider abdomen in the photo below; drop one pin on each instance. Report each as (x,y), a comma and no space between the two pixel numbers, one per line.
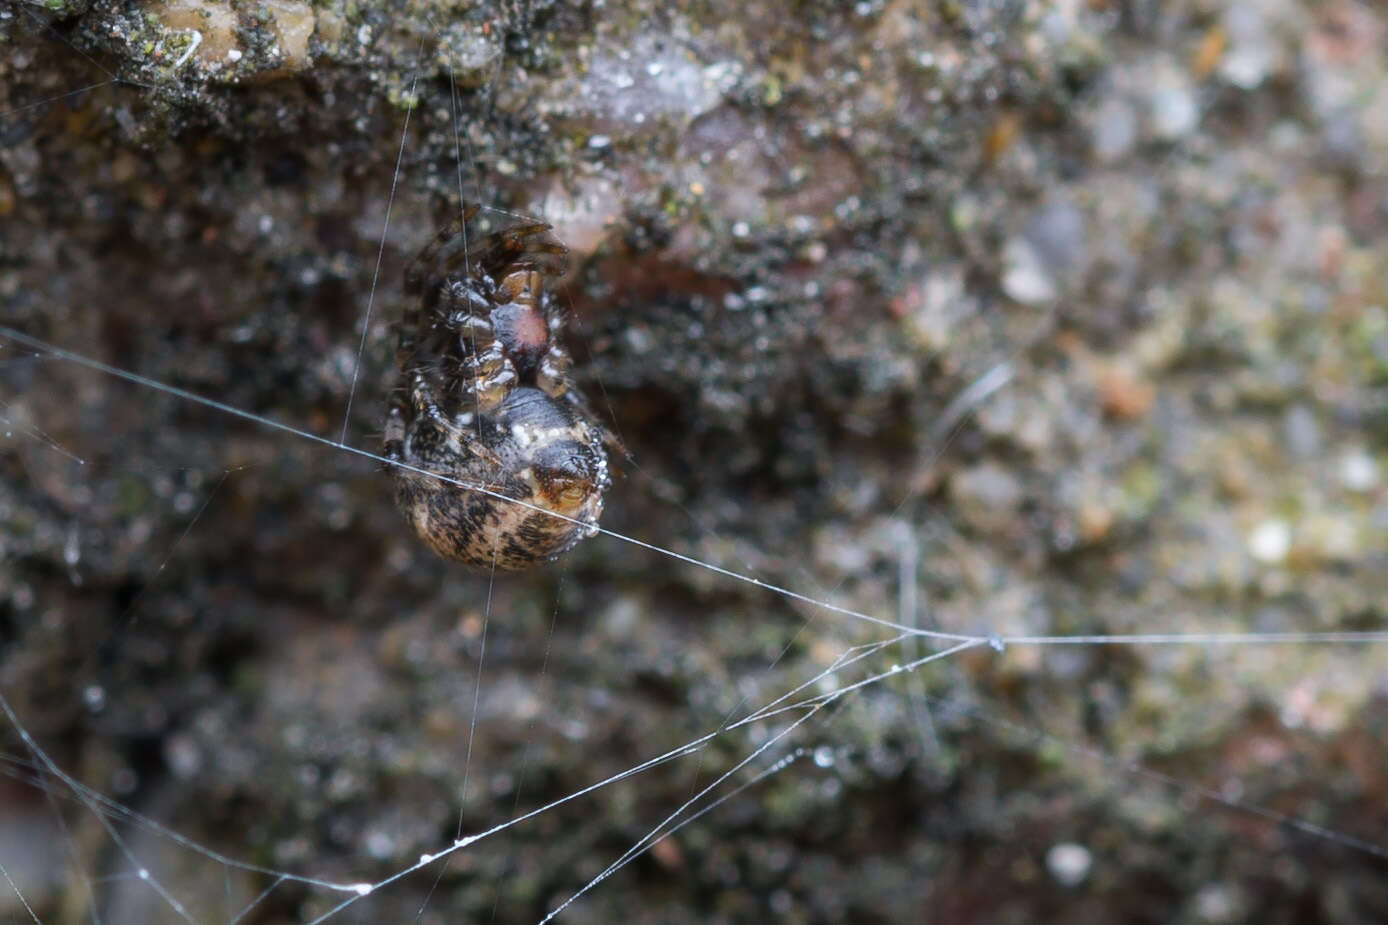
(503,463)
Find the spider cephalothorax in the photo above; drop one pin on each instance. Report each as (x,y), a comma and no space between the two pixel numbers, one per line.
(484,399)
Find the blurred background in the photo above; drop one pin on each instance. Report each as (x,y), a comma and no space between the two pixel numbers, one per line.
(1023,318)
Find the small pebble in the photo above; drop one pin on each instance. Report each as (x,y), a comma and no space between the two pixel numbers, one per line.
(987,485)
(1214,904)
(1069,863)
(1251,52)
(1174,113)
(1301,432)
(1114,132)
(1270,541)
(1358,471)
(1024,277)
(1058,235)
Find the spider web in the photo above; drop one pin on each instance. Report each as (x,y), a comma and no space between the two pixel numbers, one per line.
(782,740)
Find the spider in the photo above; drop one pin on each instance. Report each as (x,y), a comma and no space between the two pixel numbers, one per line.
(484,397)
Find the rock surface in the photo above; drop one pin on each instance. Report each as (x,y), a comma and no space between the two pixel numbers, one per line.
(1071,316)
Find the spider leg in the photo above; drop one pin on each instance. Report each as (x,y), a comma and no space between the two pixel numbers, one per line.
(465,310)
(609,438)
(393,439)
(553,374)
(490,253)
(444,331)
(468,301)
(519,239)
(427,409)
(445,265)
(418,274)
(535,240)
(481,256)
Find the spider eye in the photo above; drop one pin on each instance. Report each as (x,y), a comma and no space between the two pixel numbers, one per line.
(565,490)
(569,491)
(574,492)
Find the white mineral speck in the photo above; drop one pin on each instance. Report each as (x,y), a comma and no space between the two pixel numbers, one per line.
(1173,109)
(1069,863)
(1270,541)
(1214,904)
(233,55)
(1024,277)
(638,339)
(1251,50)
(380,845)
(1358,471)
(183,757)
